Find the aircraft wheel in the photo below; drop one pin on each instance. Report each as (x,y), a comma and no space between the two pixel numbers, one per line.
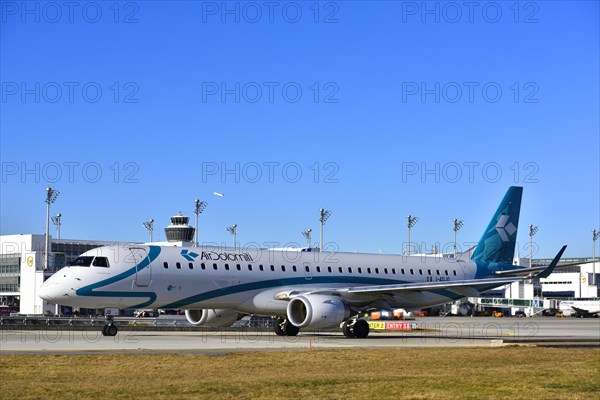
(290,329)
(278,327)
(347,331)
(111,330)
(104,330)
(361,329)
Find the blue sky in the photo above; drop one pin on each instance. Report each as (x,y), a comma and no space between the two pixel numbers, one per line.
(373,110)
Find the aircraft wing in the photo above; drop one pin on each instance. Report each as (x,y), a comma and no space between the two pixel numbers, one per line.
(541,272)
(432,286)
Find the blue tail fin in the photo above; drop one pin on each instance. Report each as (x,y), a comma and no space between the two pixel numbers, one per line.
(497,245)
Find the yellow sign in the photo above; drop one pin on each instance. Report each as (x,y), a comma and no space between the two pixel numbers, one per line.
(582,278)
(30,261)
(377,325)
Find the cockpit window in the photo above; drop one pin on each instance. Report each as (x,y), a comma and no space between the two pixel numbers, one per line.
(83,261)
(100,262)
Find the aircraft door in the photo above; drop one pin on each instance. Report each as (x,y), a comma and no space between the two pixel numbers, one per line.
(307,271)
(143,270)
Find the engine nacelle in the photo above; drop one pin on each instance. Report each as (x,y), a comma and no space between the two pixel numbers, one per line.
(317,311)
(212,318)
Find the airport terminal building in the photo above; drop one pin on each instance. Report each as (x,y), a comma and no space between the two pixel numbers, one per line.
(22,270)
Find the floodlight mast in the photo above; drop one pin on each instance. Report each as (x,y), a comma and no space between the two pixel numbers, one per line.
(56,221)
(306,234)
(149,225)
(233,232)
(200,206)
(411,222)
(323,216)
(457,225)
(595,236)
(51,195)
(532,231)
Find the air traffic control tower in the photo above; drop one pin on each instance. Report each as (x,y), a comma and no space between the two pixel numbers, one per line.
(180,229)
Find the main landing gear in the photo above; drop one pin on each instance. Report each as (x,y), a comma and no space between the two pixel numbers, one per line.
(109,329)
(355,328)
(283,327)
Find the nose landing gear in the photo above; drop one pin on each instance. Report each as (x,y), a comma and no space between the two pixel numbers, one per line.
(109,329)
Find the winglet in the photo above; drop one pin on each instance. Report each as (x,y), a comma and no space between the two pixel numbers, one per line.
(545,273)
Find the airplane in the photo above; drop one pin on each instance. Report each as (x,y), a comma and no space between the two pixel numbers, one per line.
(581,307)
(302,289)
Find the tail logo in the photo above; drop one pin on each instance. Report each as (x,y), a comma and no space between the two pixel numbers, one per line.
(505,228)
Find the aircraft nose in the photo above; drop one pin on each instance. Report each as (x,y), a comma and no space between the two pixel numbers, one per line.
(49,291)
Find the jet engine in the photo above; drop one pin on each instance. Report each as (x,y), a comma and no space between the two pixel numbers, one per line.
(212,318)
(317,311)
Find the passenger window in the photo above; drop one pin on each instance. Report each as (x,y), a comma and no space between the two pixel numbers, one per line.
(166,264)
(203,266)
(412,272)
(178,265)
(329,269)
(340,269)
(446,271)
(227,267)
(272,268)
(394,271)
(385,271)
(239,267)
(306,268)
(428,272)
(420,272)
(283,268)
(454,273)
(215,267)
(350,269)
(191,265)
(359,270)
(249,267)
(402,271)
(261,267)
(369,270)
(438,271)
(100,262)
(318,269)
(376,270)
(294,268)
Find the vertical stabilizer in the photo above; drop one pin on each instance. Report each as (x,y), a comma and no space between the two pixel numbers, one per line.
(497,245)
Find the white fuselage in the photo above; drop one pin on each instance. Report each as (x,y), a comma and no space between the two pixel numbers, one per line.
(257,281)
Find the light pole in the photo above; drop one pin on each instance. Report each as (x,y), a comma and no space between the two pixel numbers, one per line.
(233,231)
(200,206)
(150,226)
(323,215)
(595,236)
(56,221)
(532,231)
(306,234)
(411,222)
(457,225)
(51,196)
